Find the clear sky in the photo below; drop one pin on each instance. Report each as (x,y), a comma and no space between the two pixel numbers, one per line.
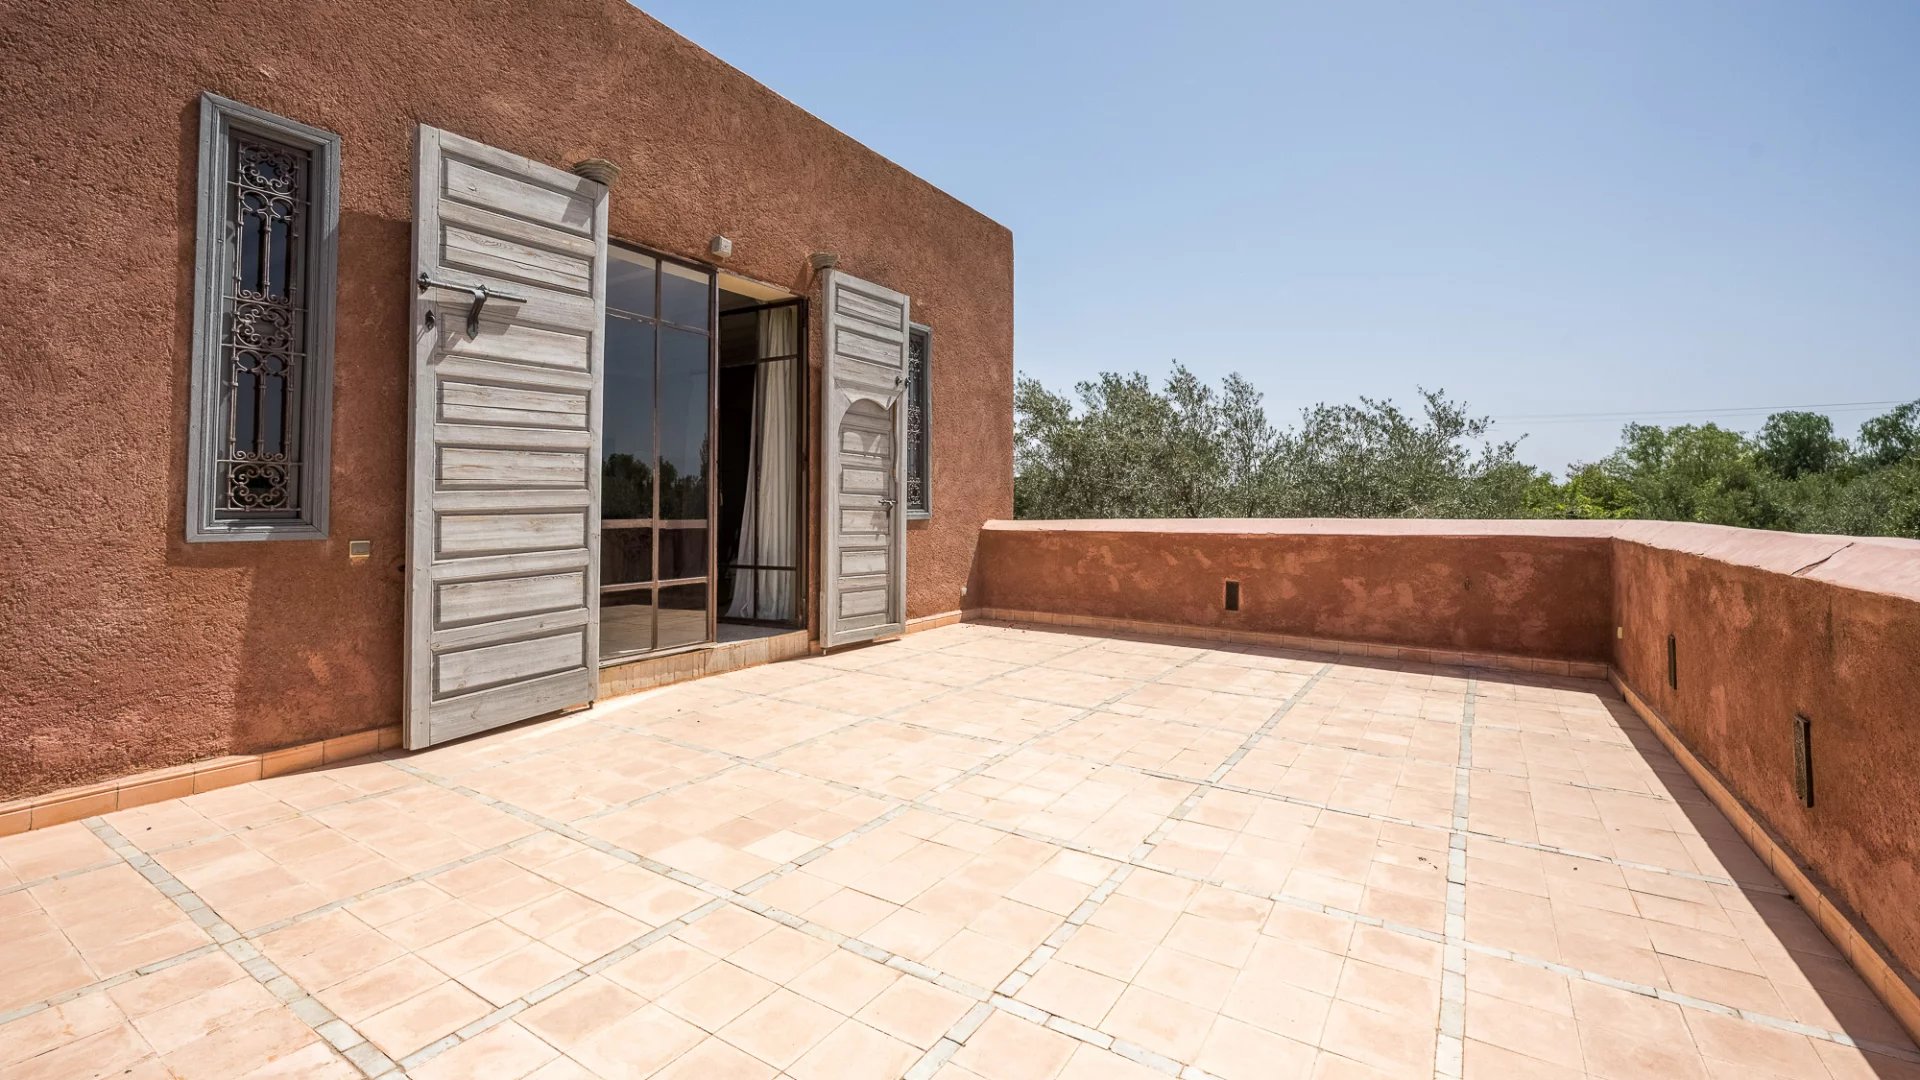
(1544,208)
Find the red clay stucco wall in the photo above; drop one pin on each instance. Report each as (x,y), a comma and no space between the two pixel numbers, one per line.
(1527,588)
(1767,625)
(125,648)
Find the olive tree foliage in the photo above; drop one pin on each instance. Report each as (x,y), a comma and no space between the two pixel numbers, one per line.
(1125,449)
(1794,474)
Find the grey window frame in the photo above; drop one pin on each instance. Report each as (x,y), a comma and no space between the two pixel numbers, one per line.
(220,118)
(923,393)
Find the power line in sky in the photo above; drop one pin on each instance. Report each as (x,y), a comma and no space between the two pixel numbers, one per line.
(1733,410)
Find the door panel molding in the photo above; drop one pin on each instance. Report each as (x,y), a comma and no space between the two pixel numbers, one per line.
(503,483)
(863,515)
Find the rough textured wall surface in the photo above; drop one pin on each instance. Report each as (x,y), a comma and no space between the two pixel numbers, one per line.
(1535,589)
(1769,625)
(124,647)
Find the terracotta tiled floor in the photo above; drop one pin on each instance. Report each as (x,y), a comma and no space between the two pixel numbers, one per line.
(983,851)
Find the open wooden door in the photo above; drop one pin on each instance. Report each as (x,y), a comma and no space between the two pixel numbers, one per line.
(503,487)
(863,422)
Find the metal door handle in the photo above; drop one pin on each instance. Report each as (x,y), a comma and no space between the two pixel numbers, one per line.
(481,294)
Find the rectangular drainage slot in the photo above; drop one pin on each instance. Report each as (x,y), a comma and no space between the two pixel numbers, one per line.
(1233,596)
(1673,663)
(1803,760)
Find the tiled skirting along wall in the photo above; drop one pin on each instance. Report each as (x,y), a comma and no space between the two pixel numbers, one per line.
(1579,669)
(74,803)
(1855,940)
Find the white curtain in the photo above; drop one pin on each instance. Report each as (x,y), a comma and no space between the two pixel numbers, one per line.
(769,532)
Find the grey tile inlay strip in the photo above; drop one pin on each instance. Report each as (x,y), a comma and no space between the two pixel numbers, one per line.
(336,1032)
(341,1036)
(1450,1052)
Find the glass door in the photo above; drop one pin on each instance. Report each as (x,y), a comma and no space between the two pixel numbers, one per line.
(656,557)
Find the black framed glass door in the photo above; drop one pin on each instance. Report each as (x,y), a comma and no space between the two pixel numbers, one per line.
(656,546)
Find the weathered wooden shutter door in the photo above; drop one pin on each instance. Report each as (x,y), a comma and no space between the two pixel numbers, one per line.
(863,405)
(503,534)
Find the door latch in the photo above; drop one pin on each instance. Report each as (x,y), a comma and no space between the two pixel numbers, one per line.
(481,294)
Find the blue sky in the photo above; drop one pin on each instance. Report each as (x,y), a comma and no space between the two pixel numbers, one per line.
(1620,208)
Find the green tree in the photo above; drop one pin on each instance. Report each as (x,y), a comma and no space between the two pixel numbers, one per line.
(1376,460)
(1891,438)
(1696,473)
(1592,490)
(1187,450)
(1794,444)
(1124,448)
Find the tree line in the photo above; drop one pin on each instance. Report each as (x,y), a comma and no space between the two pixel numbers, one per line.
(1122,447)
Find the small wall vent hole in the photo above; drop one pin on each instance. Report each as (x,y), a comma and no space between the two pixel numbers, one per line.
(1233,596)
(1673,663)
(1803,760)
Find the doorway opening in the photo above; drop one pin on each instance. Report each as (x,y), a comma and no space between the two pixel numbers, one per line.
(702,458)
(761,475)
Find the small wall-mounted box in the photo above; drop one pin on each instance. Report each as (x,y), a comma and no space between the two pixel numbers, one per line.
(359,550)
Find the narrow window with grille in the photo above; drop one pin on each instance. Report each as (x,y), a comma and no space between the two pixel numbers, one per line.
(919,423)
(263,329)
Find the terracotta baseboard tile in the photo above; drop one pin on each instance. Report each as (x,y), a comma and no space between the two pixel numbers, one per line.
(226,774)
(141,790)
(292,759)
(1849,934)
(179,781)
(73,808)
(342,747)
(1333,647)
(934,622)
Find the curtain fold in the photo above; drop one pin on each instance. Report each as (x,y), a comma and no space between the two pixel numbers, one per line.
(769,534)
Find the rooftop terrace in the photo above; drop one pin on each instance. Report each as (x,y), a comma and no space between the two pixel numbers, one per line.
(986,850)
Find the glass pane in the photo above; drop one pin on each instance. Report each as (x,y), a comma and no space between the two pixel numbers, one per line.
(626,555)
(626,622)
(251,278)
(683,425)
(630,281)
(273,410)
(246,401)
(683,553)
(683,615)
(626,440)
(683,295)
(280,267)
(775,599)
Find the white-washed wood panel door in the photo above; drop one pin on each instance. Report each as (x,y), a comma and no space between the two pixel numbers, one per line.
(503,484)
(863,414)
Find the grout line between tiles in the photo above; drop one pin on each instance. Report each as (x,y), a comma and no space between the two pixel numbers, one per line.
(22,886)
(341,1036)
(1450,1053)
(989,1001)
